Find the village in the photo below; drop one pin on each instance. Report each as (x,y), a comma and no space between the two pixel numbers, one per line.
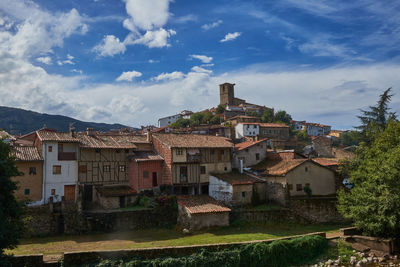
(213,169)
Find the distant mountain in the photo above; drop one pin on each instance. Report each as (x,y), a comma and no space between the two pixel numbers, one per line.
(20,121)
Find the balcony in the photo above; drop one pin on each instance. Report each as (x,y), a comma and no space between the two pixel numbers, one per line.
(193,158)
(66,156)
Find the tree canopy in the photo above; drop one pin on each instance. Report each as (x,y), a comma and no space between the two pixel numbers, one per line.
(11,226)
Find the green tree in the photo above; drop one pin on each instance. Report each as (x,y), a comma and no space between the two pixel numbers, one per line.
(351,138)
(207,116)
(220,109)
(196,119)
(373,202)
(180,123)
(11,225)
(268,115)
(282,116)
(215,120)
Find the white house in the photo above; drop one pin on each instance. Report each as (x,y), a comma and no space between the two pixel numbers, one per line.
(185,114)
(247,129)
(60,168)
(316,129)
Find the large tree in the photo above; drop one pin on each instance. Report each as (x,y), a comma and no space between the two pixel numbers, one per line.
(11,226)
(373,203)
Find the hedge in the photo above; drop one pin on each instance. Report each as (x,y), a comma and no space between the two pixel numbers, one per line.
(291,252)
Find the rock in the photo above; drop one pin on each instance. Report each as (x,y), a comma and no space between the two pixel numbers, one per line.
(185,231)
(353,260)
(329,262)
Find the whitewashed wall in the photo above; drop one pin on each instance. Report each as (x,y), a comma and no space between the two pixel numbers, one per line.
(220,190)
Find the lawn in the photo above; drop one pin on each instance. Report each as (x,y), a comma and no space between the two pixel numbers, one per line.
(163,237)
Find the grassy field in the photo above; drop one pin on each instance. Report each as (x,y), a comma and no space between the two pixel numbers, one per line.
(163,237)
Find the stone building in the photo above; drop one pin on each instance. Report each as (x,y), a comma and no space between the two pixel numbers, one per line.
(30,184)
(190,158)
(249,152)
(198,212)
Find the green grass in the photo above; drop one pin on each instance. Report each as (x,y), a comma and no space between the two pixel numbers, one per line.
(164,237)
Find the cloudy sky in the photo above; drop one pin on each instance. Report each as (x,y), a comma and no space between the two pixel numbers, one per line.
(133,61)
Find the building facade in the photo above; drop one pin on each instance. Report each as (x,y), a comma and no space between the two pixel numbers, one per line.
(249,153)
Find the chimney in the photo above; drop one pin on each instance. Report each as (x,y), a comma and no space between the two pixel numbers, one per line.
(148,136)
(72,130)
(89,131)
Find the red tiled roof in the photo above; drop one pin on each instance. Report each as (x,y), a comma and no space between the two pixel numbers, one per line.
(267,125)
(123,141)
(281,167)
(193,141)
(326,161)
(159,129)
(248,144)
(26,153)
(52,135)
(201,204)
(236,178)
(243,117)
(146,156)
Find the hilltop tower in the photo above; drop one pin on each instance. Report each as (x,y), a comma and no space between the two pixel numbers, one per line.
(226,93)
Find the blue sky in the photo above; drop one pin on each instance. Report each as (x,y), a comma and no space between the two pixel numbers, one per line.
(133,61)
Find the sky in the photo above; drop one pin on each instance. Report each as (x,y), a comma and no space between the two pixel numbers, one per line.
(134,61)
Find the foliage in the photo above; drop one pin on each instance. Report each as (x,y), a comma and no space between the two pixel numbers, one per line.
(196,119)
(373,202)
(302,136)
(207,116)
(278,253)
(11,225)
(220,109)
(180,123)
(351,138)
(282,116)
(268,115)
(252,113)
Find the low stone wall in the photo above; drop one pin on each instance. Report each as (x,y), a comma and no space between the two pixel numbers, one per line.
(79,258)
(316,209)
(27,261)
(40,221)
(277,193)
(267,216)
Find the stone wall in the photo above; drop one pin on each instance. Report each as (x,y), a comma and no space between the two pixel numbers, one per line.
(316,209)
(277,193)
(202,220)
(40,221)
(267,216)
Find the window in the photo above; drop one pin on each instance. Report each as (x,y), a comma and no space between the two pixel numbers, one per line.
(299,187)
(106,168)
(306,169)
(225,169)
(222,151)
(122,168)
(56,169)
(257,156)
(202,169)
(32,170)
(27,192)
(243,194)
(82,169)
(264,131)
(212,151)
(97,150)
(50,148)
(118,151)
(179,152)
(269,131)
(290,187)
(127,151)
(60,148)
(53,192)
(145,174)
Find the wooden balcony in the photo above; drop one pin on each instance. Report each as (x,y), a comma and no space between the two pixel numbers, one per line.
(66,156)
(193,158)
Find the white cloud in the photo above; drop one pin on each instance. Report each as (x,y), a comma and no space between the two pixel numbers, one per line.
(128,76)
(153,61)
(148,14)
(110,46)
(77,71)
(202,58)
(230,36)
(187,18)
(169,76)
(211,25)
(201,70)
(44,60)
(156,38)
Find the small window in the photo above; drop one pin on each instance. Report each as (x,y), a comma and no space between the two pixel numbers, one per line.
(50,149)
(82,168)
(27,192)
(222,152)
(127,151)
(179,152)
(32,170)
(97,150)
(299,187)
(202,169)
(225,169)
(243,194)
(56,169)
(257,156)
(122,168)
(53,192)
(290,187)
(306,169)
(247,150)
(106,168)
(118,151)
(60,148)
(145,174)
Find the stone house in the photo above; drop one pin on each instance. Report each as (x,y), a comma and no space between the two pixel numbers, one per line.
(145,170)
(198,212)
(249,152)
(112,197)
(30,184)
(237,119)
(322,146)
(277,131)
(190,158)
(297,174)
(235,188)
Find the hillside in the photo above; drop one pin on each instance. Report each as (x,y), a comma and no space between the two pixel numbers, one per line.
(20,121)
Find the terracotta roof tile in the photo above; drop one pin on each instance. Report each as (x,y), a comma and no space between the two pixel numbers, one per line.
(248,144)
(26,153)
(193,140)
(267,125)
(52,135)
(146,156)
(101,140)
(326,161)
(201,204)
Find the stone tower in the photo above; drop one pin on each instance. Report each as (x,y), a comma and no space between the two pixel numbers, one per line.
(226,93)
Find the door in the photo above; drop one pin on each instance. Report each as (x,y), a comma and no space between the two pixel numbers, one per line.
(183,174)
(69,192)
(155,182)
(122,202)
(88,193)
